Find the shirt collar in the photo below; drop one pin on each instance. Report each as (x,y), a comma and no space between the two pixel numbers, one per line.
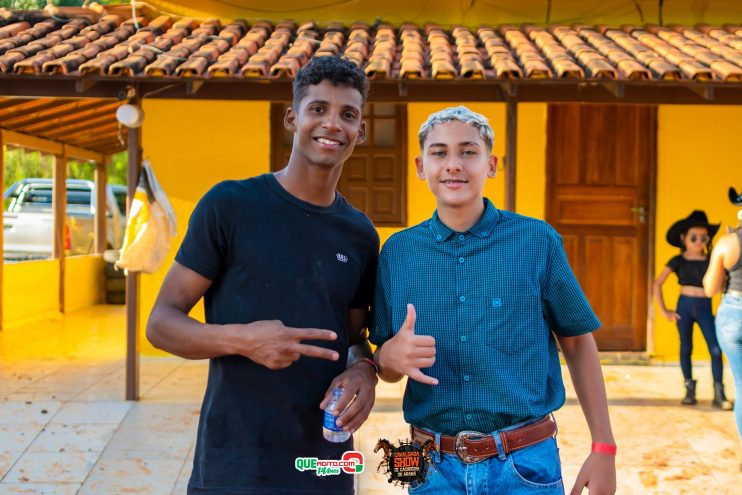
(483,228)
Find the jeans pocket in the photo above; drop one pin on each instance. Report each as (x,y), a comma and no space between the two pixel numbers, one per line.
(418,486)
(537,466)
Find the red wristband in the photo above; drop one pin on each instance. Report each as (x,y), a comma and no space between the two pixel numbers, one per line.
(604,448)
(371,362)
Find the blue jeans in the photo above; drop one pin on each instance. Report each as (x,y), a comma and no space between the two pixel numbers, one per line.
(534,469)
(698,310)
(729,333)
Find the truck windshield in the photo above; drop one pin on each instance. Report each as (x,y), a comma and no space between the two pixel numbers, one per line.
(43,195)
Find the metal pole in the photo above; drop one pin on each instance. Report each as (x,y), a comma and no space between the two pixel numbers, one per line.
(59,214)
(132,279)
(511,146)
(101,205)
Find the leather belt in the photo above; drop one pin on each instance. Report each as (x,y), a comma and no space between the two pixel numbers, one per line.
(733,292)
(473,446)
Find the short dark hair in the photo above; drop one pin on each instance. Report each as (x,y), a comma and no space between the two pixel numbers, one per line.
(334,69)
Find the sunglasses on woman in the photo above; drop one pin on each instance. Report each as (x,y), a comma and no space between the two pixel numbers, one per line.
(699,238)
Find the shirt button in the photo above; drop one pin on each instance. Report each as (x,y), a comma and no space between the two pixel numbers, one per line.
(463,338)
(462,298)
(466,378)
(461,260)
(469,416)
(438,237)
(462,237)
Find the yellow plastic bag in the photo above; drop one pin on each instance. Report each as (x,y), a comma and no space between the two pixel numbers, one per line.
(150,226)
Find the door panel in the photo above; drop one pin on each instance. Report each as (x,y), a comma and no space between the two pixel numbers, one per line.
(599,164)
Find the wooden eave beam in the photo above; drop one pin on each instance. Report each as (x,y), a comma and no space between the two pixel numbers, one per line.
(107,145)
(48,146)
(64,115)
(98,122)
(31,142)
(16,108)
(528,90)
(83,154)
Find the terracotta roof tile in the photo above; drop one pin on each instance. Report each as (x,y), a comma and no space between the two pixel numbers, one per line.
(13,29)
(383,53)
(501,59)
(412,61)
(471,61)
(528,55)
(627,66)
(111,45)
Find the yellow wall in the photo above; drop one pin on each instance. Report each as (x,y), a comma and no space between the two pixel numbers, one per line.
(31,288)
(83,268)
(470,13)
(530,188)
(30,291)
(192,145)
(697,160)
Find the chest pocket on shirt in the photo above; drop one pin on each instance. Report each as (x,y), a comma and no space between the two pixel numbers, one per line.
(510,320)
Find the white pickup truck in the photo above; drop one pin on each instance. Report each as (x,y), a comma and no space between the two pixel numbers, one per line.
(28,226)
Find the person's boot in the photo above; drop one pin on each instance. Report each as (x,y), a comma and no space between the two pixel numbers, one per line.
(690,393)
(720,399)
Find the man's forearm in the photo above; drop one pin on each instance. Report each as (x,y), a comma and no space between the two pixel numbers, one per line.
(173,331)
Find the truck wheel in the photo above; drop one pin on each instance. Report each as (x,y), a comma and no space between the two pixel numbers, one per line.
(116,285)
(116,297)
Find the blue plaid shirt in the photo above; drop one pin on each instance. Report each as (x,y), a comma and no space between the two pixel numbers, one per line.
(491,297)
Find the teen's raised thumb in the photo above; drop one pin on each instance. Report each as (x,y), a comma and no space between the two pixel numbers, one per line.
(409,322)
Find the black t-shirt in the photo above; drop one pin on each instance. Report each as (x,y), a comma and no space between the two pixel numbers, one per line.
(272,256)
(690,272)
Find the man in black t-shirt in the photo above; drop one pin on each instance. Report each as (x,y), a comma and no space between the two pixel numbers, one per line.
(286,268)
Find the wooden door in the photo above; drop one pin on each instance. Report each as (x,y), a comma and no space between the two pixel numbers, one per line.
(374,178)
(600,170)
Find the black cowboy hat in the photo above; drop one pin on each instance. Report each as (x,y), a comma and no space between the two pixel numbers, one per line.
(695,219)
(735,198)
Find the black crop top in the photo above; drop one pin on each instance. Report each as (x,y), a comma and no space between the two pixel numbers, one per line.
(690,272)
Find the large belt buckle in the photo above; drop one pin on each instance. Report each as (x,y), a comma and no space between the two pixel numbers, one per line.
(460,446)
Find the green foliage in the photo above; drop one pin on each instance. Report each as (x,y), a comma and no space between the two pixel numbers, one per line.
(118,167)
(40,4)
(23,4)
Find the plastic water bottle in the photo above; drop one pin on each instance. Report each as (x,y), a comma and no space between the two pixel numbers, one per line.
(330,429)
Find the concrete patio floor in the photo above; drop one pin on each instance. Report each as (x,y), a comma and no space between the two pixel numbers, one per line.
(65,428)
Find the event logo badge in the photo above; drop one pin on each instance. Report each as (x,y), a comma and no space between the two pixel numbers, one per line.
(351,463)
(407,462)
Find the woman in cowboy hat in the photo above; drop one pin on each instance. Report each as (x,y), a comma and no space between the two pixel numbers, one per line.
(693,236)
(726,258)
